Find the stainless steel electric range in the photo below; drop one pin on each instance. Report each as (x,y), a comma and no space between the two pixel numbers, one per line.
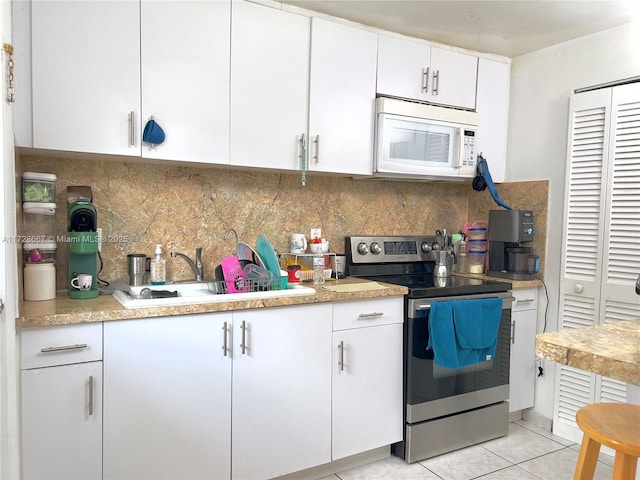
(444,409)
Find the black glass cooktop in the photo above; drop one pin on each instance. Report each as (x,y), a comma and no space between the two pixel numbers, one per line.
(426,285)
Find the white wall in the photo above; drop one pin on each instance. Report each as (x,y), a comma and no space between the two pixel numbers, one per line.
(541,83)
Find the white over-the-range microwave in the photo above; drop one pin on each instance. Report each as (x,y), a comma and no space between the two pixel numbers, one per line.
(419,141)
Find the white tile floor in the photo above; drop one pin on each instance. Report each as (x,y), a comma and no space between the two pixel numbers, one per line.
(526,453)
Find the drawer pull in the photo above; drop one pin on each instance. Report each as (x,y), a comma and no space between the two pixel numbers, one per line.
(77,346)
(525,300)
(371,315)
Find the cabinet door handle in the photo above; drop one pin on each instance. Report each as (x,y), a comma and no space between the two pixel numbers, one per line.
(303,160)
(243,345)
(371,315)
(524,300)
(132,118)
(425,80)
(316,156)
(77,346)
(90,395)
(225,348)
(513,331)
(341,355)
(436,82)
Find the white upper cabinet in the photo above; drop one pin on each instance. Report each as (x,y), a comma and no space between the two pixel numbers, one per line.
(302,92)
(185,78)
(341,101)
(493,114)
(100,70)
(269,86)
(85,75)
(412,69)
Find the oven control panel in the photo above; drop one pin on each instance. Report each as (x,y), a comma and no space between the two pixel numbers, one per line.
(371,249)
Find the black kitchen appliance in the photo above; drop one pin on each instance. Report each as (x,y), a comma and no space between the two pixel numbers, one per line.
(444,409)
(508,229)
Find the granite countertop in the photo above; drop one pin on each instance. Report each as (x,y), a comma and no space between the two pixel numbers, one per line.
(612,350)
(64,310)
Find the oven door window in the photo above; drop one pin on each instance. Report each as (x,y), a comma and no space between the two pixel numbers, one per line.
(428,381)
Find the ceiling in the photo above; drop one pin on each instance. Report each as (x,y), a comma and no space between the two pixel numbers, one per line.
(503,27)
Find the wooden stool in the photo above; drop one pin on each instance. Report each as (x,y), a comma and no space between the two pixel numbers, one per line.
(615,425)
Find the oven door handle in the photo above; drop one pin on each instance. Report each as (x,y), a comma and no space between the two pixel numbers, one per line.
(506,301)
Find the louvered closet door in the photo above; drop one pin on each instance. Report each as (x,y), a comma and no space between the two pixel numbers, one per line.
(601,249)
(621,262)
(585,190)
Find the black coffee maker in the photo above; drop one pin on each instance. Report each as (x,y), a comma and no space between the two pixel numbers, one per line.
(508,229)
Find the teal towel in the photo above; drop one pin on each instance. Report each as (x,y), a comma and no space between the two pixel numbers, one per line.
(464,332)
(442,336)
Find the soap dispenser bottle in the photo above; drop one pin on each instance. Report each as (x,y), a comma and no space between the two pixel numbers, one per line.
(158,268)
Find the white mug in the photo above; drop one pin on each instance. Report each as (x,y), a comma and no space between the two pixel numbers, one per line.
(298,243)
(82,281)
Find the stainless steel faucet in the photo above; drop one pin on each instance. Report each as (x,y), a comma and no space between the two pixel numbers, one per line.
(196,267)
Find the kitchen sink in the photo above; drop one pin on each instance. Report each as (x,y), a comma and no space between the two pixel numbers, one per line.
(200,292)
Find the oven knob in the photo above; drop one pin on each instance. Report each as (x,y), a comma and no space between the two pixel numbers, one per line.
(362,248)
(375,248)
(425,247)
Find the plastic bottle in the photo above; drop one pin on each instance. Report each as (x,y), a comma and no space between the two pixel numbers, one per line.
(318,269)
(158,268)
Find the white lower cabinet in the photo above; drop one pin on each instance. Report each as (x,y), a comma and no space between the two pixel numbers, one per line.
(249,394)
(367,375)
(522,369)
(169,387)
(167,398)
(281,390)
(61,402)
(62,422)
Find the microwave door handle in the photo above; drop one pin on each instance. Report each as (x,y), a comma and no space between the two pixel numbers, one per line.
(459,148)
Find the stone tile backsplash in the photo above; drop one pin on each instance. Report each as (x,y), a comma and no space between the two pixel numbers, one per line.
(183,207)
